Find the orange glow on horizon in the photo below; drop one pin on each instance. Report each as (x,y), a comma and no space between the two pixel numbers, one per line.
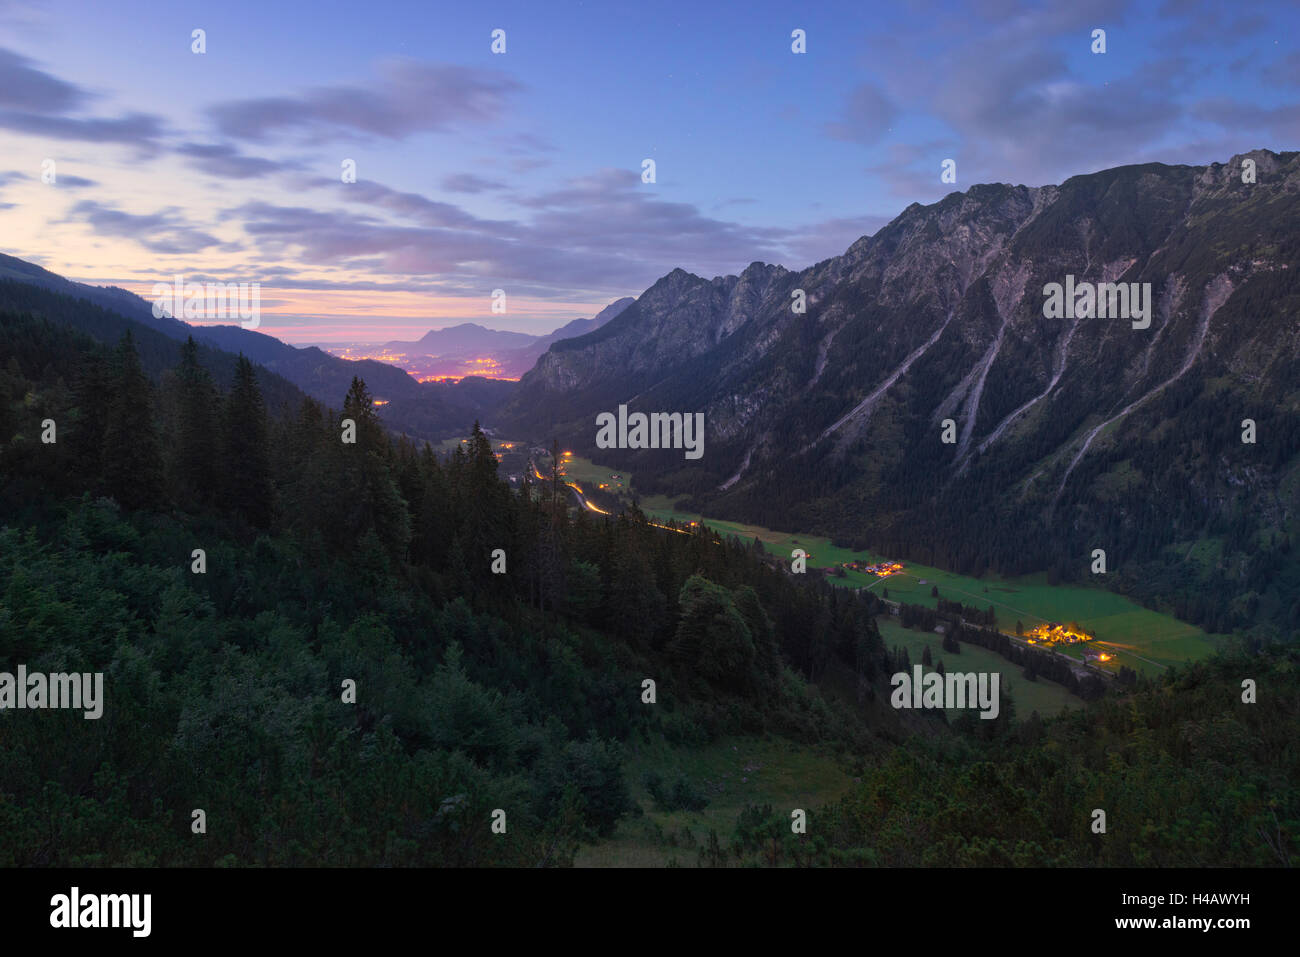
(344,316)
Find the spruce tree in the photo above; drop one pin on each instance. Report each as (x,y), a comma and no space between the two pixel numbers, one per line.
(195,442)
(247,464)
(359,406)
(132,462)
(92,395)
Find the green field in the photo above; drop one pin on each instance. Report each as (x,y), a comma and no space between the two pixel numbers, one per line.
(588,475)
(732,772)
(1045,697)
(1144,640)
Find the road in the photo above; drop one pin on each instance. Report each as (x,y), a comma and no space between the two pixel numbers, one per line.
(583,501)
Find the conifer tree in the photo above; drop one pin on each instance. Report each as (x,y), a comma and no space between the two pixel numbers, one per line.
(195,442)
(246,462)
(91,395)
(132,462)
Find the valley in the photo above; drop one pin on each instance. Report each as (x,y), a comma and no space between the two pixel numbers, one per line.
(923,407)
(861,436)
(1142,639)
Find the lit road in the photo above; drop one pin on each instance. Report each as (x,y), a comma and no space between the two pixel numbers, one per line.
(583,502)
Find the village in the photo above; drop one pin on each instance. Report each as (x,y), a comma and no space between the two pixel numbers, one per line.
(1054,633)
(880,569)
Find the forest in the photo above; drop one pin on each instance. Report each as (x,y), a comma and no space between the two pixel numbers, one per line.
(326,562)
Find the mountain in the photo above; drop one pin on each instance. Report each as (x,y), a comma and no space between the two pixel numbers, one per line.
(468,338)
(1064,435)
(317,372)
(511,353)
(519,361)
(580,327)
(158,353)
(118,300)
(428,410)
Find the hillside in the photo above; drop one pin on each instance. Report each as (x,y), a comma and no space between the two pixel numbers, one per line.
(425,410)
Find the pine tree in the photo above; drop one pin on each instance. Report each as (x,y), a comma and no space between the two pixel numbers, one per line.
(92,395)
(246,462)
(195,444)
(132,462)
(359,406)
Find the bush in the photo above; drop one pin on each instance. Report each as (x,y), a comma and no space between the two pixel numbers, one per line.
(682,796)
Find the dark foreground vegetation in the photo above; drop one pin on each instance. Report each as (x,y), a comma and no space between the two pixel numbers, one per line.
(327,562)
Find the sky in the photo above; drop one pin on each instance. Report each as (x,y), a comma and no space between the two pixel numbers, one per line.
(522,170)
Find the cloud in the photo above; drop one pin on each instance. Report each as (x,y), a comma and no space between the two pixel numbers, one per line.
(27,88)
(1284,72)
(519,143)
(1279,124)
(74,182)
(34,102)
(1205,21)
(227,161)
(867,116)
(423,210)
(817,241)
(1012,109)
(606,231)
(524,164)
(137,129)
(469,183)
(6,179)
(411,97)
(162,232)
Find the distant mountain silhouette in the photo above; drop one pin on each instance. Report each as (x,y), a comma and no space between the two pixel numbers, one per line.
(424,410)
(515,352)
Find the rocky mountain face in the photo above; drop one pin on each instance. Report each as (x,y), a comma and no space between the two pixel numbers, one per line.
(924,404)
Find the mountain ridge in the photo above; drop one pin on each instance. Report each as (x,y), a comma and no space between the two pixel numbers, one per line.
(831,420)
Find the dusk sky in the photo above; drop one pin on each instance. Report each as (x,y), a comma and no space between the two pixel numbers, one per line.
(522,171)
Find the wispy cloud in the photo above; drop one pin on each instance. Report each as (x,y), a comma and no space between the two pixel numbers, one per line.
(35,102)
(469,183)
(222,159)
(410,97)
(165,231)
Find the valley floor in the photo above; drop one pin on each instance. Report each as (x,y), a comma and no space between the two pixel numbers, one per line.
(1142,639)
